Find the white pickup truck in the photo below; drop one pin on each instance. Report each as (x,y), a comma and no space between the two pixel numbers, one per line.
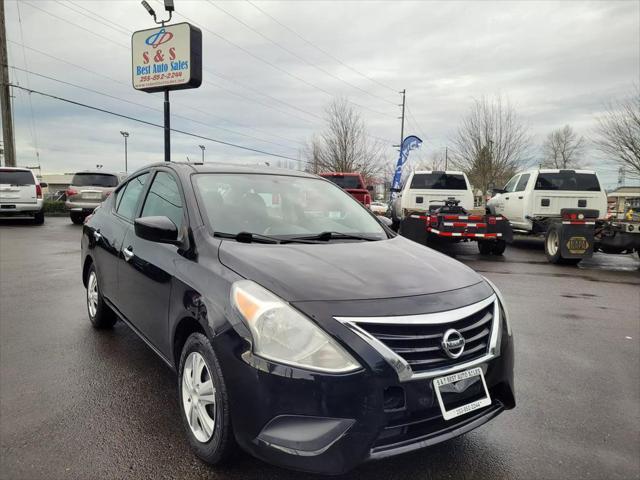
(428,189)
(570,208)
(542,194)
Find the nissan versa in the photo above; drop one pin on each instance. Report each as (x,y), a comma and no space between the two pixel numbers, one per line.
(301,328)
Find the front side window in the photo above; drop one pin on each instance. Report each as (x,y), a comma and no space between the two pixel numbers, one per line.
(128,196)
(511,184)
(522,183)
(281,205)
(438,181)
(164,199)
(568,181)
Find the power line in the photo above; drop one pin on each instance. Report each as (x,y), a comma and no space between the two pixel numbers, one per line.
(294,54)
(146,106)
(91,16)
(121,115)
(273,65)
(309,42)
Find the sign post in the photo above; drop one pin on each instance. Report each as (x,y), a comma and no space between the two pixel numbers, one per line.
(167,58)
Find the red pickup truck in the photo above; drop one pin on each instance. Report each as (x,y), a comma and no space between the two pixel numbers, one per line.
(352,183)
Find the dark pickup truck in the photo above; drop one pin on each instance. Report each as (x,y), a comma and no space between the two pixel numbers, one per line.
(352,183)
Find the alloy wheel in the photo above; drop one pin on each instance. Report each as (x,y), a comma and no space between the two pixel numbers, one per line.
(92,294)
(199,397)
(552,242)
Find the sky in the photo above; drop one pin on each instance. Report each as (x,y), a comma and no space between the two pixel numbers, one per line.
(271,69)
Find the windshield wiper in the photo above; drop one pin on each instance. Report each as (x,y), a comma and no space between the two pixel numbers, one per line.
(248,237)
(326,236)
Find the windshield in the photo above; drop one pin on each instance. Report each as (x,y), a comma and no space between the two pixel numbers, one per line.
(568,181)
(438,181)
(348,181)
(16,177)
(94,180)
(280,205)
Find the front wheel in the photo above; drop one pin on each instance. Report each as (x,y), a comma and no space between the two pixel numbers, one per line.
(204,402)
(76,218)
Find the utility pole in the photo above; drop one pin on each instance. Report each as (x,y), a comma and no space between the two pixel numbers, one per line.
(446,158)
(5,98)
(404,94)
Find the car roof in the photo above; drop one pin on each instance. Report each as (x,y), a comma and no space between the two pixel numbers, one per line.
(448,172)
(97,172)
(189,167)
(557,170)
(17,169)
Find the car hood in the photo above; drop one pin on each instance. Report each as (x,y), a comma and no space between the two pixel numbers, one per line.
(347,270)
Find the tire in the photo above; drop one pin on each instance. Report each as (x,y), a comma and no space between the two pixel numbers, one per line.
(38,218)
(498,247)
(485,247)
(212,438)
(100,315)
(552,247)
(77,218)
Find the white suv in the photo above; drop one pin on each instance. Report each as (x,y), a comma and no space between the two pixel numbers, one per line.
(430,188)
(20,194)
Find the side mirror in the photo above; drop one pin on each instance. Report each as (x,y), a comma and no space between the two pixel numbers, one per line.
(386,221)
(156,229)
(44,184)
(370,188)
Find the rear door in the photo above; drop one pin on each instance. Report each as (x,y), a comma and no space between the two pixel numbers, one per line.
(17,186)
(554,191)
(145,277)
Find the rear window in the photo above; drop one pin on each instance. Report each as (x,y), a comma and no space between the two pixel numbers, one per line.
(17,177)
(94,180)
(568,181)
(438,181)
(350,181)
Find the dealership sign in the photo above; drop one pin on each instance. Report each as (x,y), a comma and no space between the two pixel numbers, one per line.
(167,58)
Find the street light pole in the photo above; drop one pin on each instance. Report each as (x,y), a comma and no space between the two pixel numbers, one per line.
(126,136)
(202,148)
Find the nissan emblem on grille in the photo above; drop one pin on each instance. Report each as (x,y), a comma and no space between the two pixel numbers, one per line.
(453,343)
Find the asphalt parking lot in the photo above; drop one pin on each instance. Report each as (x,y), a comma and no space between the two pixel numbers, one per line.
(77,403)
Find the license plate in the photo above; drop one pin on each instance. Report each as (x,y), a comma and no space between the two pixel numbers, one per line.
(577,245)
(92,195)
(461,393)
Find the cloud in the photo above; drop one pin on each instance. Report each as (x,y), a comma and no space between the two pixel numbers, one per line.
(558,62)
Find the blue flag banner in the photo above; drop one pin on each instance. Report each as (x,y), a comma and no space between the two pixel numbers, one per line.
(409,143)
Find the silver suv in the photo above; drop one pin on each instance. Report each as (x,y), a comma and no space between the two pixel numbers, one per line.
(88,190)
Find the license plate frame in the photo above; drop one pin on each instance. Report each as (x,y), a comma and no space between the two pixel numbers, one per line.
(92,195)
(440,382)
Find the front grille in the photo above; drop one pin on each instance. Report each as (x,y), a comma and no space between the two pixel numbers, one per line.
(420,343)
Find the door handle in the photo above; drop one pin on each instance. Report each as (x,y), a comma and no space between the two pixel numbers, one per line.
(97,235)
(520,198)
(127,253)
(506,198)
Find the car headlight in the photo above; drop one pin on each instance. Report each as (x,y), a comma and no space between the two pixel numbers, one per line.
(502,303)
(282,334)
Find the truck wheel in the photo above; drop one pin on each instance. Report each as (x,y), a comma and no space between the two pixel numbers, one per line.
(552,247)
(498,247)
(485,247)
(38,218)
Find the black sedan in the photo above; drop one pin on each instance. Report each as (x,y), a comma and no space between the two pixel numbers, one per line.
(301,328)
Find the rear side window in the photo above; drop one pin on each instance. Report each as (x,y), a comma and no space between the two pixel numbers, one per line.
(94,180)
(522,183)
(349,181)
(164,199)
(438,181)
(568,181)
(129,195)
(16,177)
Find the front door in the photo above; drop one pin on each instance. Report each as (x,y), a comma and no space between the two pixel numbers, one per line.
(145,277)
(516,211)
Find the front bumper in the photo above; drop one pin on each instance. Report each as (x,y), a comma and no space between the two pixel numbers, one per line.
(331,423)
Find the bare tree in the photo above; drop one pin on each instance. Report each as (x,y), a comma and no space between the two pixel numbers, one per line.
(344,145)
(491,144)
(619,132)
(562,148)
(436,161)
